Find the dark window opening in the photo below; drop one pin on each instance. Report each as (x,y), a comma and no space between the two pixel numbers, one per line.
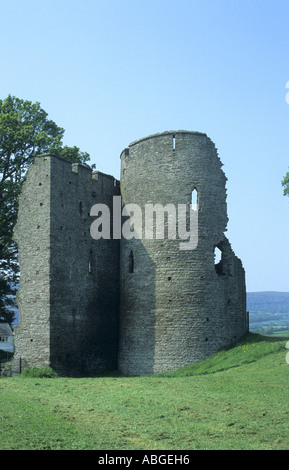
(223,259)
(130,263)
(80,206)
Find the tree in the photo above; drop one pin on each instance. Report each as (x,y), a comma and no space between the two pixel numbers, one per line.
(285,184)
(25,132)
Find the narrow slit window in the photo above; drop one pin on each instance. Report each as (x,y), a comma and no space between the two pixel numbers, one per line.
(90,261)
(174,143)
(194,200)
(130,263)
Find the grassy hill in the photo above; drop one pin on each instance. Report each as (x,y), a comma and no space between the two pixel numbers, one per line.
(269,312)
(236,399)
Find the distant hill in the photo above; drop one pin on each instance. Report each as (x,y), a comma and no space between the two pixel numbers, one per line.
(268,312)
(269,302)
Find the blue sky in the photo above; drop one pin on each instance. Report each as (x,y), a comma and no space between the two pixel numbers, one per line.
(112,71)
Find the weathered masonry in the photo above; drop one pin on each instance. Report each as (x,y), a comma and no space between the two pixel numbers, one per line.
(141,305)
(68,296)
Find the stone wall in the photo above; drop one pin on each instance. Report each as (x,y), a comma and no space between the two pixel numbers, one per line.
(175,308)
(32,234)
(69,284)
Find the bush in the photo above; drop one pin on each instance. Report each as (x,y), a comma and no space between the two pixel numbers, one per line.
(39,372)
(5,368)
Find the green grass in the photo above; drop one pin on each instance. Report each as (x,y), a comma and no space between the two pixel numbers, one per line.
(250,349)
(39,372)
(237,399)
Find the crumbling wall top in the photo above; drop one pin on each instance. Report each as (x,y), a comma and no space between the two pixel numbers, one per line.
(161,134)
(79,168)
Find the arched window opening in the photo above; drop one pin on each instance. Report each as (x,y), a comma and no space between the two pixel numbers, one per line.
(194,200)
(219,261)
(130,263)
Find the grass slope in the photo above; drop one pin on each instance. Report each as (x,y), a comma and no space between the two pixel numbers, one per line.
(237,399)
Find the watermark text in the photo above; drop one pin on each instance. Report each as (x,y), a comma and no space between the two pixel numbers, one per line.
(153,221)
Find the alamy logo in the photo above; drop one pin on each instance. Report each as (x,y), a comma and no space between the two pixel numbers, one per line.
(287,94)
(154,221)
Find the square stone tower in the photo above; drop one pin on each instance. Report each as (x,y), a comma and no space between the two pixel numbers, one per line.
(69,283)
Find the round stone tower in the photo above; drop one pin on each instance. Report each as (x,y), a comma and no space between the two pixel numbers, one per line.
(178,303)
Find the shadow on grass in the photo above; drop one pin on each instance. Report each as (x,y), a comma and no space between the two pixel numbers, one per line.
(224,359)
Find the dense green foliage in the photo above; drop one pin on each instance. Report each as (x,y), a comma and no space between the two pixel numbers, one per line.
(269,324)
(40,372)
(237,399)
(25,132)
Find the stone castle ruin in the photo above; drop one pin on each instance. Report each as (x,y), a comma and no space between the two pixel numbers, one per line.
(137,304)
